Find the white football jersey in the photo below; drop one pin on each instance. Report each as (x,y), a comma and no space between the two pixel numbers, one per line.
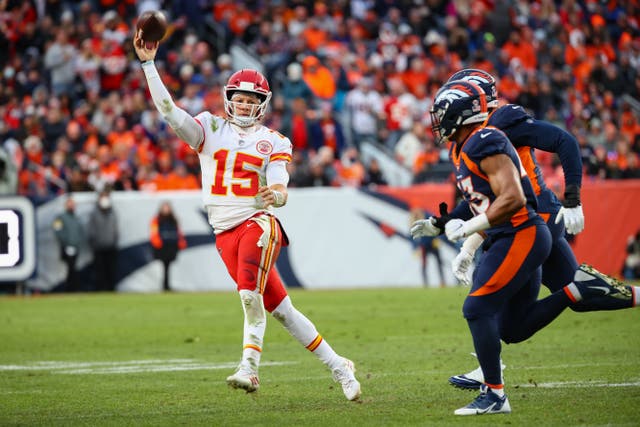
(234,165)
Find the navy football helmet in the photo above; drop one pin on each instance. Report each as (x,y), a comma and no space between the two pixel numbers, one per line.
(457,103)
(483,79)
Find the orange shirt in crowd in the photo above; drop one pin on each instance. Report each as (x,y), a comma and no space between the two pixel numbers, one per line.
(318,78)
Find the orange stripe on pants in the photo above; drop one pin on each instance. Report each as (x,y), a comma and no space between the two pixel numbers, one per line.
(520,248)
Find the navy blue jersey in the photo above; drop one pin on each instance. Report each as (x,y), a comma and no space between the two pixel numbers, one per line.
(474,183)
(527,134)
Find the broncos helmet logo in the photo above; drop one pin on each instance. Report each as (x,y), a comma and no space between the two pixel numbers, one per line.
(457,103)
(483,79)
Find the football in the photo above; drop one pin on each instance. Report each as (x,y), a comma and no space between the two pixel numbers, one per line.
(153,24)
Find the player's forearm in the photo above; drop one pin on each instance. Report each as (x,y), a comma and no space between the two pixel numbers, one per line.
(185,126)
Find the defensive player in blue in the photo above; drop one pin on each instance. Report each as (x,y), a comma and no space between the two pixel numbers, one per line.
(527,134)
(502,302)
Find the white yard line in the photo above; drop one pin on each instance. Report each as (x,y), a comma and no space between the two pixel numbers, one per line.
(579,384)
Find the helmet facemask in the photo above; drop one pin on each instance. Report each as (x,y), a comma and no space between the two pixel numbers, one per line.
(245,114)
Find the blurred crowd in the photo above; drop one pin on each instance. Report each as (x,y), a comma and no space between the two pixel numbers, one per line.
(77,115)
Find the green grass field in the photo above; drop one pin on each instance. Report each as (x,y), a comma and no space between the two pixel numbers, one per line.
(162,360)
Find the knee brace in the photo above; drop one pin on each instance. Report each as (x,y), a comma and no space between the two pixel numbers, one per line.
(252,306)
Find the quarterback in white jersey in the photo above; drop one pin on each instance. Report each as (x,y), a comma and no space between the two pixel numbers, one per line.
(244,176)
(234,165)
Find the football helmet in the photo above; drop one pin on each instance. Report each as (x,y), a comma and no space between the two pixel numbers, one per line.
(483,79)
(457,103)
(251,82)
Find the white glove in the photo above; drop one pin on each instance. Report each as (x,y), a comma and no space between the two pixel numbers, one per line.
(464,259)
(425,227)
(460,266)
(573,219)
(457,229)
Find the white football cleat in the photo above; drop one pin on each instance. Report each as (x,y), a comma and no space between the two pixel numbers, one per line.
(487,402)
(245,379)
(345,376)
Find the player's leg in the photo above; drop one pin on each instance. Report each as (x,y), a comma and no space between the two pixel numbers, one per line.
(248,265)
(561,267)
(304,331)
(505,268)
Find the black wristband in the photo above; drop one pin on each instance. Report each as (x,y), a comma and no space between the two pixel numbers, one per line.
(571,196)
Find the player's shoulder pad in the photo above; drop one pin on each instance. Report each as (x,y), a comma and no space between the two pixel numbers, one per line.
(281,144)
(486,142)
(508,115)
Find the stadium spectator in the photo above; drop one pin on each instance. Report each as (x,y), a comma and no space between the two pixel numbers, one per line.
(166,240)
(59,60)
(365,108)
(71,237)
(248,235)
(374,175)
(102,232)
(8,174)
(425,246)
(631,269)
(326,130)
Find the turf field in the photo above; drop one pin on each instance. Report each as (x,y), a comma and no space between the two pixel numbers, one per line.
(162,360)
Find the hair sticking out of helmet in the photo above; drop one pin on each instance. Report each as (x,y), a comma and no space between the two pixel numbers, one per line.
(456,104)
(483,79)
(239,109)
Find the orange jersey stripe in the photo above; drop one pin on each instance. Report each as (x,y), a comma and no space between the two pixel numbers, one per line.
(280,156)
(522,244)
(252,346)
(473,167)
(529,166)
(520,217)
(315,343)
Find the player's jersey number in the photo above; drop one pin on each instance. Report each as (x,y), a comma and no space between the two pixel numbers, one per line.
(478,202)
(244,168)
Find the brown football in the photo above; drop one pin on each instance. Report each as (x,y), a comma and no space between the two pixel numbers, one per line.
(153,24)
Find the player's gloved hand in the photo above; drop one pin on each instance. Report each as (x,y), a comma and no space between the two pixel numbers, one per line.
(425,227)
(457,229)
(571,210)
(462,262)
(454,229)
(460,266)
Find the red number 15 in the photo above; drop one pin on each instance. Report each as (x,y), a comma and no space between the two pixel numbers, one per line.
(240,172)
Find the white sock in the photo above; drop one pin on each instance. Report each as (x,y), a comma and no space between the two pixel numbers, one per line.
(305,332)
(498,391)
(635,290)
(255,324)
(573,292)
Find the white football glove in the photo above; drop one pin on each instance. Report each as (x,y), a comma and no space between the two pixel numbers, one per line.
(461,263)
(457,229)
(425,227)
(460,266)
(573,219)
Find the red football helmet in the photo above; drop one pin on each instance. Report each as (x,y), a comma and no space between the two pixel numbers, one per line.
(246,81)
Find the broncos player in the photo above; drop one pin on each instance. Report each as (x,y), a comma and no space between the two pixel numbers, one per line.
(527,134)
(502,302)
